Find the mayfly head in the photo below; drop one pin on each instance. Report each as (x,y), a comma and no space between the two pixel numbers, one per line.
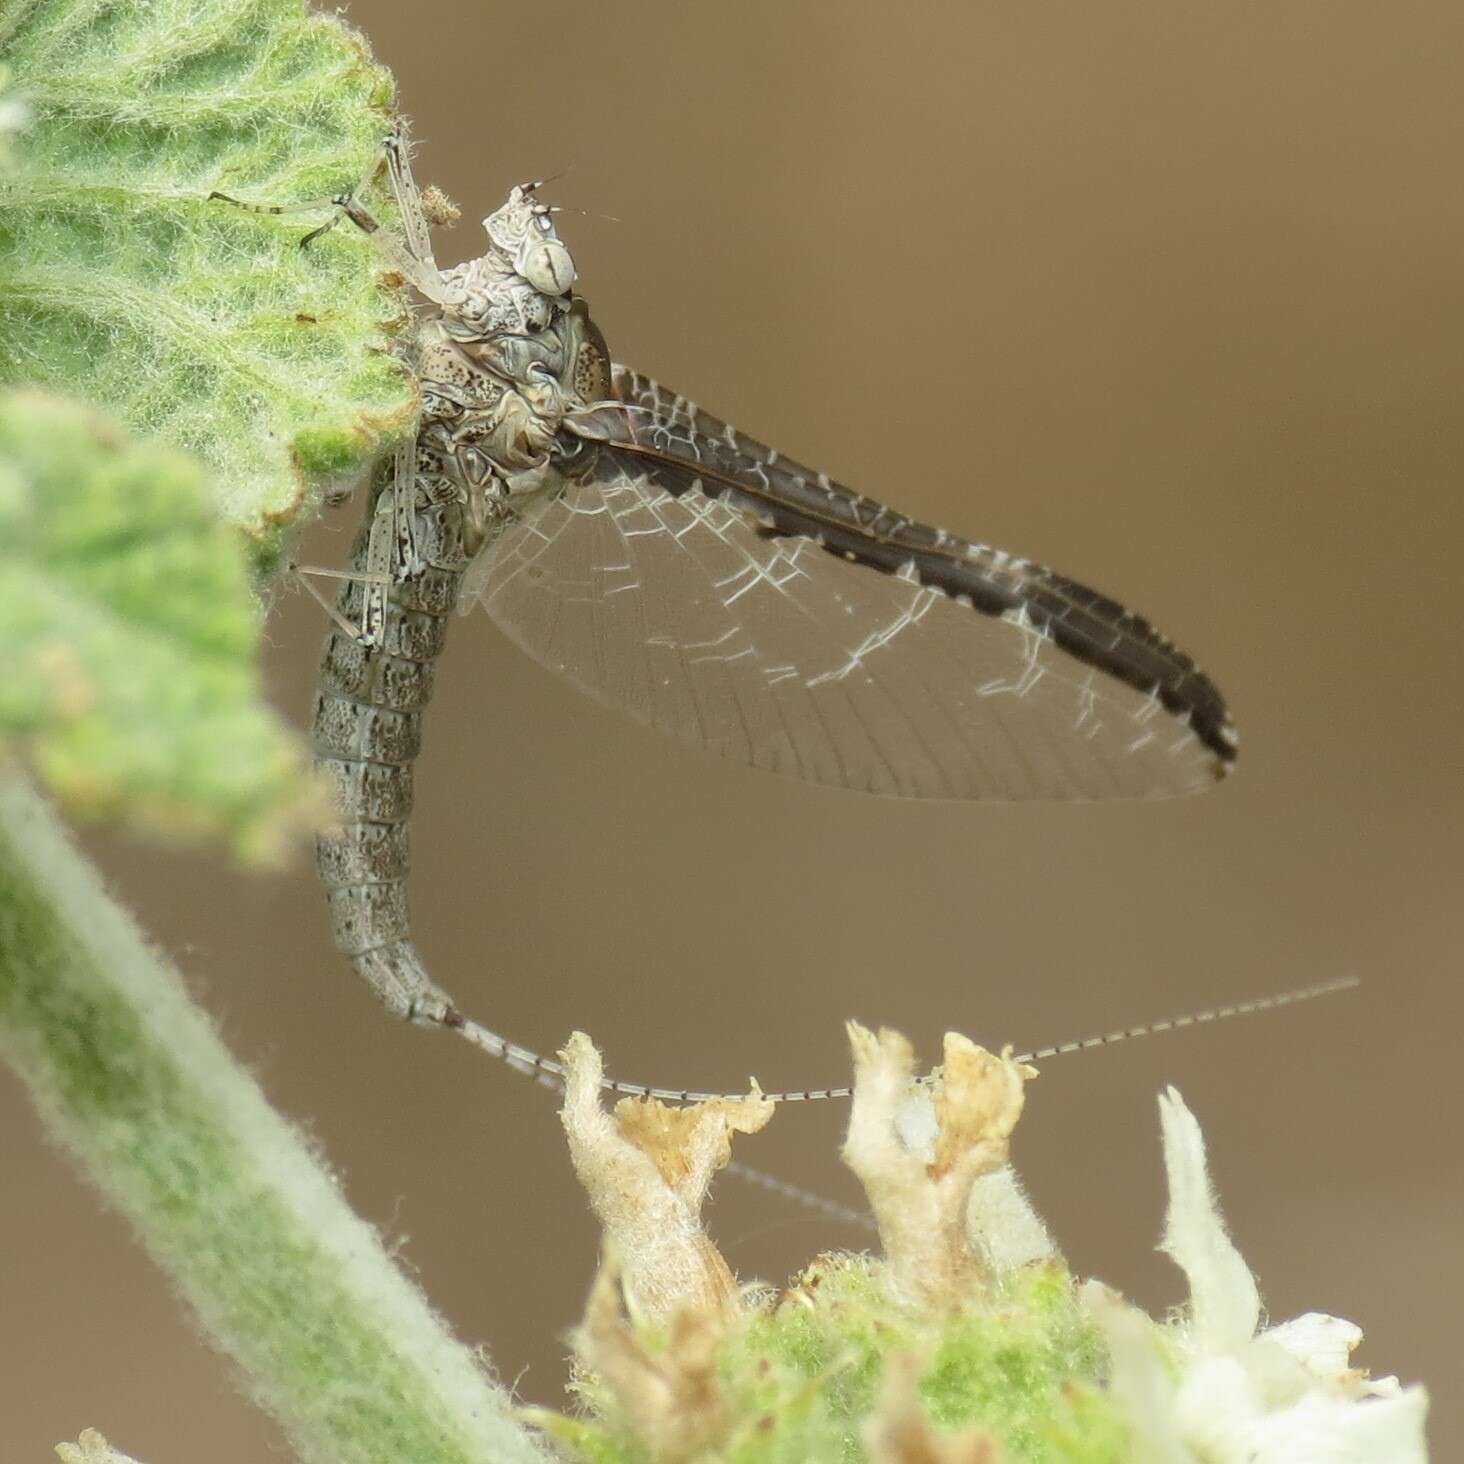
(521,232)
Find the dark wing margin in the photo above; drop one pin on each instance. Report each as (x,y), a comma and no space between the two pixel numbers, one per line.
(791,499)
(720,593)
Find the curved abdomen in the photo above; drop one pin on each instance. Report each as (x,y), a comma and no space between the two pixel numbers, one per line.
(366,736)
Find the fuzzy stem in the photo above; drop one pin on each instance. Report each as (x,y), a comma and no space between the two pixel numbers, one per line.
(129,1074)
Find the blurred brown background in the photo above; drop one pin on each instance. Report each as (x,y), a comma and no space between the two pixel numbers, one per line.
(1167,294)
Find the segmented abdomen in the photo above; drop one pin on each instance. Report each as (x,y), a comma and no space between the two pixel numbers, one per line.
(366,736)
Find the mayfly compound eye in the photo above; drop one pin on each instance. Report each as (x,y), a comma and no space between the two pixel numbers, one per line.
(546,265)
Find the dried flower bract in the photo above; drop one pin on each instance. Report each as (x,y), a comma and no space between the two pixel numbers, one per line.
(647,1169)
(669,1397)
(919,1148)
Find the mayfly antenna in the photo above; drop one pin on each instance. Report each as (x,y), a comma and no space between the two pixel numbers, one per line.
(547,179)
(584,213)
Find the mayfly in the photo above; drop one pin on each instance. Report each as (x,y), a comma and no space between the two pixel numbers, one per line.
(712,588)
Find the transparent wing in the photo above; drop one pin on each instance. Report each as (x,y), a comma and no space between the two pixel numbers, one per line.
(686,586)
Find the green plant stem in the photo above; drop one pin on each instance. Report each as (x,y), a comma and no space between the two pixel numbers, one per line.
(334,1341)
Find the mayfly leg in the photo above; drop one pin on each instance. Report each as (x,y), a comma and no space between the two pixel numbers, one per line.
(408,200)
(346,205)
(307,574)
(412,260)
(391,556)
(393,550)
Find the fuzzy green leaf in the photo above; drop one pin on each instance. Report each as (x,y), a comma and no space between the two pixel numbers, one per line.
(131,631)
(198,323)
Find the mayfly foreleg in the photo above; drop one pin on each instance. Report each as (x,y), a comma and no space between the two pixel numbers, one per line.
(307,574)
(412,260)
(343,204)
(393,552)
(406,558)
(408,200)
(391,557)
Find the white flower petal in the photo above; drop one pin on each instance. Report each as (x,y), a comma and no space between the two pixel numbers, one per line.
(1226,1396)
(916,1124)
(1002,1226)
(1224,1303)
(1321,1429)
(1223,1420)
(1383,1387)
(1137,1377)
(1321,1344)
(1220,1411)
